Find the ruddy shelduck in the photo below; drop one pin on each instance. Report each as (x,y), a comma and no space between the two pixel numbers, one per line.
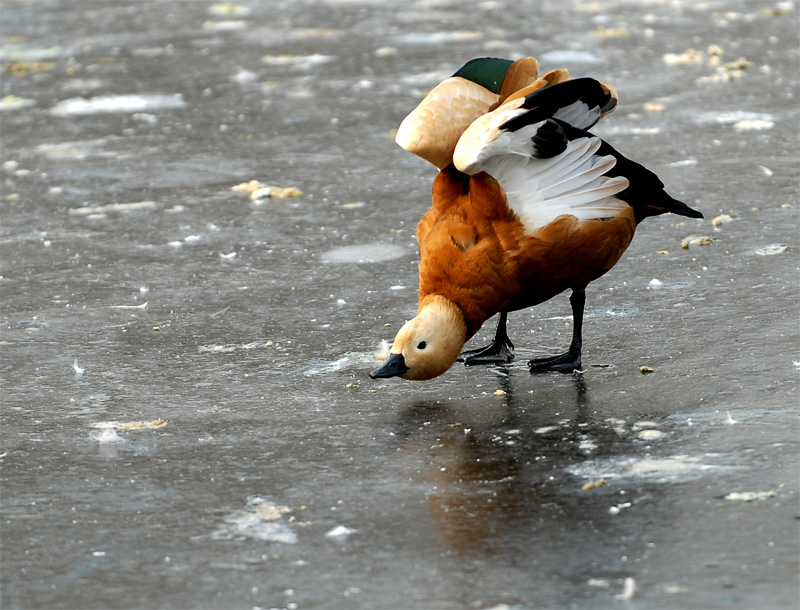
(527,204)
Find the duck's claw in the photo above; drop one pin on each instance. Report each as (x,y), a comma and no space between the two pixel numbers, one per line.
(497,352)
(565,363)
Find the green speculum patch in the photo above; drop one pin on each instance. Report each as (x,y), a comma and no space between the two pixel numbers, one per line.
(488,72)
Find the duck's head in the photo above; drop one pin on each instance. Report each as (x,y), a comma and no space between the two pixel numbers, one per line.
(427,345)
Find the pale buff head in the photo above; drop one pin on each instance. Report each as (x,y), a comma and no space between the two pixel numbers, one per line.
(427,345)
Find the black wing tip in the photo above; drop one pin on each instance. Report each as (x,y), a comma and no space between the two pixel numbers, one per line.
(545,103)
(549,140)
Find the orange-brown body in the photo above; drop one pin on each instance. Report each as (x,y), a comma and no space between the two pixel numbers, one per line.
(476,252)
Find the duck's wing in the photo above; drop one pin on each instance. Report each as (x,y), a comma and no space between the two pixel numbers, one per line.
(538,149)
(580,102)
(512,127)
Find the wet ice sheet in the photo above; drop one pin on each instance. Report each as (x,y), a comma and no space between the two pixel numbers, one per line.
(363,253)
(218,314)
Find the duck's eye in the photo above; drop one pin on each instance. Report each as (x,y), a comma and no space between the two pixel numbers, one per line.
(422,345)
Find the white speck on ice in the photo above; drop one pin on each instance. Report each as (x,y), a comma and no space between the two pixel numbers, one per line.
(225,26)
(90,210)
(614,510)
(340,531)
(655,282)
(383,350)
(683,163)
(753,125)
(438,37)
(192,238)
(79,371)
(569,57)
(142,306)
(628,590)
(601,583)
(228,256)
(145,117)
(731,117)
(341,302)
(107,436)
(116,103)
(772,249)
(730,419)
(301,61)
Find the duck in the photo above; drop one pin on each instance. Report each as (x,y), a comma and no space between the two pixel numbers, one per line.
(527,204)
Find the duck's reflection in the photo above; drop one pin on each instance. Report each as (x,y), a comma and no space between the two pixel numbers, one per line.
(498,471)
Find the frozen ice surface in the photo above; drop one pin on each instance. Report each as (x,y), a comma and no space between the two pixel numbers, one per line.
(237,423)
(363,253)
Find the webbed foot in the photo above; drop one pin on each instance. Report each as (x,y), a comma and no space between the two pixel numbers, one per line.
(565,363)
(499,351)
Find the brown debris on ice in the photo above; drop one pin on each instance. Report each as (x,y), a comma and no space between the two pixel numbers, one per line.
(258,190)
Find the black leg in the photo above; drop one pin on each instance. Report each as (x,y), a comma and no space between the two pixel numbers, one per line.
(499,351)
(571,360)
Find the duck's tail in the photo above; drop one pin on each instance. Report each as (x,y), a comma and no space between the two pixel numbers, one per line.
(645,193)
(668,205)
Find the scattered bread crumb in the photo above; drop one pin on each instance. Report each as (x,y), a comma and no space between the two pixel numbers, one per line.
(131,425)
(604,32)
(653,107)
(592,484)
(258,190)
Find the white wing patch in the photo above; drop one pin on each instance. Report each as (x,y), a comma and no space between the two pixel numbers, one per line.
(541,190)
(484,139)
(579,114)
